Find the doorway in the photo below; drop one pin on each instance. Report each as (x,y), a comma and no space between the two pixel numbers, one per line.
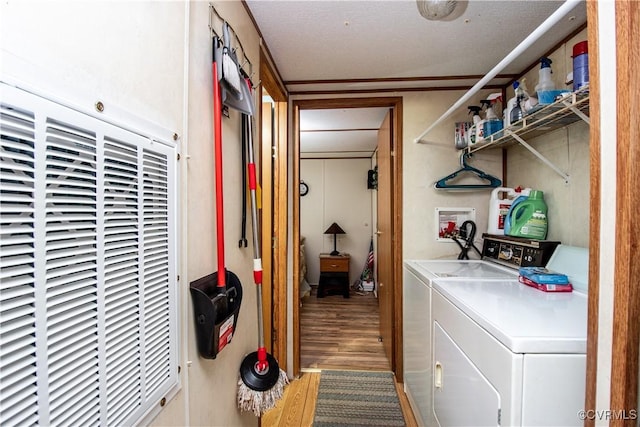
(390,323)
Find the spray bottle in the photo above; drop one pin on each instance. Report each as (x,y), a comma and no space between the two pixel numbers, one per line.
(528,102)
(516,112)
(492,123)
(480,131)
(473,132)
(545,83)
(511,103)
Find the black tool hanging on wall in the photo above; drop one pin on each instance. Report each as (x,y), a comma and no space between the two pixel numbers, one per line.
(216,298)
(243,223)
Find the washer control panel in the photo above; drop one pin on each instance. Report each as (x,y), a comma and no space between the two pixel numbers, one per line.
(517,252)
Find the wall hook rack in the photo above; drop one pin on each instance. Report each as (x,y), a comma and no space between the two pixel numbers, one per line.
(216,19)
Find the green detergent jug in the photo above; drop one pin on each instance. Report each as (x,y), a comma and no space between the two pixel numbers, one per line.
(529,218)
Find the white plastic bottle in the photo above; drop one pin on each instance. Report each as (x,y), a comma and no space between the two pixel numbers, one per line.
(545,83)
(492,124)
(528,101)
(516,113)
(498,208)
(501,200)
(511,103)
(473,132)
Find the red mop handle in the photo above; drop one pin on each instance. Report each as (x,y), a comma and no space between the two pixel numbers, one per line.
(217,131)
(257,262)
(262,364)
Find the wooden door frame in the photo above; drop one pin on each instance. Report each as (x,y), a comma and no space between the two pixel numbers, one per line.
(275,266)
(625,333)
(626,297)
(396,104)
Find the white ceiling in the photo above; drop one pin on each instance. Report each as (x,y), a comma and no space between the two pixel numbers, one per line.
(345,132)
(343,45)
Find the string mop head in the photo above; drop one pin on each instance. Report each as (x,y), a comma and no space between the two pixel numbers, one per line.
(259,402)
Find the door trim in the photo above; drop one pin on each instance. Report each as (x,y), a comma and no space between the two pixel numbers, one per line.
(396,104)
(625,330)
(626,303)
(274,235)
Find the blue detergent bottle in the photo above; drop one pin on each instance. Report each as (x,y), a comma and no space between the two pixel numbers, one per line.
(507,219)
(528,218)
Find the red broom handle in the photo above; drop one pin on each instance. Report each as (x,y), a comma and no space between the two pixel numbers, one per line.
(217,130)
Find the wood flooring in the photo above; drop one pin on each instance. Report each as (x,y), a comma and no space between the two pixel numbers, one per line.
(341,333)
(335,333)
(297,406)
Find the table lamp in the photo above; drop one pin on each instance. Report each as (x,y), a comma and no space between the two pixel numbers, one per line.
(334,229)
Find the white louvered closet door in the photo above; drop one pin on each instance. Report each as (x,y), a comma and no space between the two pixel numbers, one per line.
(88,314)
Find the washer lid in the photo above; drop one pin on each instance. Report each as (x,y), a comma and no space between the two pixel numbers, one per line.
(522,318)
(461,269)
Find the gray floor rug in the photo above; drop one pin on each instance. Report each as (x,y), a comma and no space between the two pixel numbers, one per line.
(357,398)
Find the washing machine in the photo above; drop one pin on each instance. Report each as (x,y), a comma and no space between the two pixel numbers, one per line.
(502,256)
(507,354)
(418,279)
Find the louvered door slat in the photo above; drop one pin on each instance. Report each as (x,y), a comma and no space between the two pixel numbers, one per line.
(13,280)
(65,333)
(15,257)
(18,400)
(17,363)
(104,236)
(71,283)
(13,339)
(18,412)
(122,307)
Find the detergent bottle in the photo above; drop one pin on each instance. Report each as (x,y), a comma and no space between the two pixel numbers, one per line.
(521,196)
(473,133)
(498,208)
(528,217)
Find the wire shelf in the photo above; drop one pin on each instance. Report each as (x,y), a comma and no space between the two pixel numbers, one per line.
(543,119)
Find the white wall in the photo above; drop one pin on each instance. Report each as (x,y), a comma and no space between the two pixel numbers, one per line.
(567,203)
(424,164)
(153,59)
(213,383)
(568,149)
(337,193)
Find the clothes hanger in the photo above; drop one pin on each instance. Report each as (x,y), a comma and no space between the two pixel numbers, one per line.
(490,180)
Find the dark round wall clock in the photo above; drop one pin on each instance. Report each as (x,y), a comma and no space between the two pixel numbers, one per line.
(304,188)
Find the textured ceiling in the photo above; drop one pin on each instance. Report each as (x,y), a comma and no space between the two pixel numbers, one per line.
(345,44)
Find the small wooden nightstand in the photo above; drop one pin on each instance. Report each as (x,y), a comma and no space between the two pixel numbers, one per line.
(334,274)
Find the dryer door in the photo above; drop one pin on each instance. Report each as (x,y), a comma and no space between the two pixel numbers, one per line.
(462,396)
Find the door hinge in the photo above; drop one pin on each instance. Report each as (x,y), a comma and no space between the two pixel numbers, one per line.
(274,335)
(499,415)
(393,153)
(275,151)
(178,156)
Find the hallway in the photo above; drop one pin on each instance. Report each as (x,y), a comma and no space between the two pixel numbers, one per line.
(341,333)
